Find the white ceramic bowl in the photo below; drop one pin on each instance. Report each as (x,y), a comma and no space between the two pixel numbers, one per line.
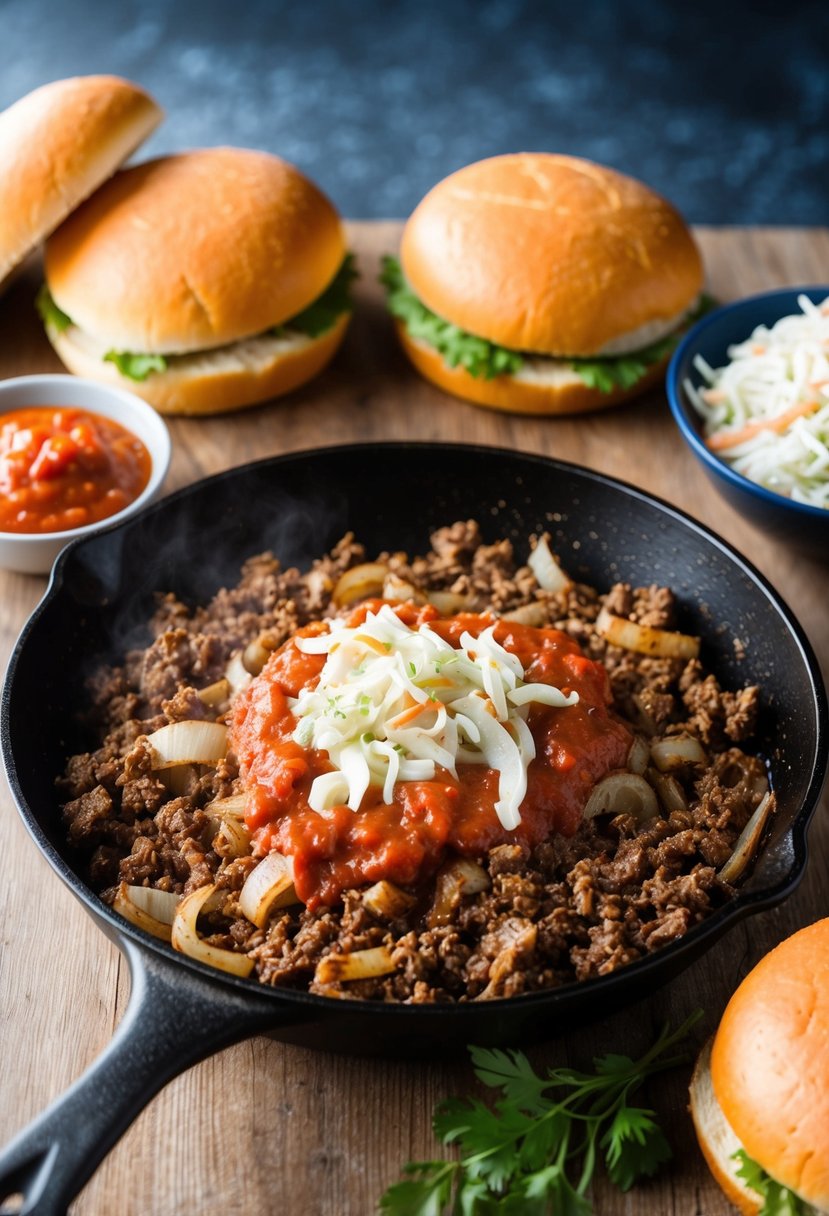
(34,552)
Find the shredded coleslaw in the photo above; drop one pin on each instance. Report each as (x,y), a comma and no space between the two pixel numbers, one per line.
(767,412)
(393,703)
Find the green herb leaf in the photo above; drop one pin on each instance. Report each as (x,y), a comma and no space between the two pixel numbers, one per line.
(512,1072)
(322,314)
(535,1152)
(777,1200)
(634,1146)
(478,356)
(486,359)
(136,367)
(426,1195)
(49,312)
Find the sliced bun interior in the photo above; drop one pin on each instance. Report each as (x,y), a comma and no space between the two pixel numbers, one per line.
(215,381)
(57,145)
(717,1139)
(770,1063)
(541,386)
(552,255)
(194,251)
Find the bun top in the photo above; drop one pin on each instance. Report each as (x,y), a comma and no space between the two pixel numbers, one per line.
(57,145)
(194,251)
(770,1063)
(551,254)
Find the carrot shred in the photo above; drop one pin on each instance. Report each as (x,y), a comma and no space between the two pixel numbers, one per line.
(730,439)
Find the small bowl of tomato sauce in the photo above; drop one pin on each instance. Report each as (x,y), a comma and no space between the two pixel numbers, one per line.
(74,456)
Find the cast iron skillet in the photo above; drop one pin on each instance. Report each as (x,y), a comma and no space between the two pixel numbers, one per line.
(391,496)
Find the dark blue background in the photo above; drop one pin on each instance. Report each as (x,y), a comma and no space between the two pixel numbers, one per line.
(722,107)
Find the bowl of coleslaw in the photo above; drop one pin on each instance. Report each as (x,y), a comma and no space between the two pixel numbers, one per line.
(749,389)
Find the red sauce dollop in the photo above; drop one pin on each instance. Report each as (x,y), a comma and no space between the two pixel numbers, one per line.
(64,468)
(576,746)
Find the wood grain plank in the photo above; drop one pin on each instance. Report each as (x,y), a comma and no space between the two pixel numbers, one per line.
(263,1127)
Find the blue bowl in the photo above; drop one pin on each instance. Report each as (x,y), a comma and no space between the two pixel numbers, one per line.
(805,527)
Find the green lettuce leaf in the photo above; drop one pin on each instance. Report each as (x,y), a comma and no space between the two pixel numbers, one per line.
(135,367)
(49,312)
(479,357)
(486,359)
(323,313)
(777,1200)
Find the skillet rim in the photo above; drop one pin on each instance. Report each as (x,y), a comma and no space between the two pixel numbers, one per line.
(695,942)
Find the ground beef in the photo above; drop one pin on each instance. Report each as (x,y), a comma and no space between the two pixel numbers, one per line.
(569,909)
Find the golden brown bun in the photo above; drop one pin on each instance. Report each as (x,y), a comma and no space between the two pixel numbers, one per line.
(717,1139)
(770,1063)
(57,145)
(541,387)
(195,251)
(551,254)
(211,382)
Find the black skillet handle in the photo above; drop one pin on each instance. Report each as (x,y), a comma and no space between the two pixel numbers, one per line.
(174,1018)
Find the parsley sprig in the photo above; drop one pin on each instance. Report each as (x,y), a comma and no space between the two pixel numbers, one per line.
(478,356)
(536,1151)
(486,360)
(778,1200)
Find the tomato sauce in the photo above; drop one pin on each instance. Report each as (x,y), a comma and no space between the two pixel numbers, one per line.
(64,468)
(335,849)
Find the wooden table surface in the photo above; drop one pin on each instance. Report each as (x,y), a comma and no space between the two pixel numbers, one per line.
(263,1127)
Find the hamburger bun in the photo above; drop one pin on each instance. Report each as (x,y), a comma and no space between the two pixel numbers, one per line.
(763,1085)
(204,261)
(57,145)
(542,386)
(213,381)
(553,258)
(194,251)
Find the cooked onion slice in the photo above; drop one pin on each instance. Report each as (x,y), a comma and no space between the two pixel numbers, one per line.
(456,879)
(185,936)
(528,614)
(188,743)
(358,965)
(747,841)
(269,886)
(639,755)
(677,751)
(234,807)
(622,794)
(449,602)
(147,908)
(643,639)
(232,838)
(671,793)
(548,572)
(215,693)
(359,583)
(237,675)
(386,900)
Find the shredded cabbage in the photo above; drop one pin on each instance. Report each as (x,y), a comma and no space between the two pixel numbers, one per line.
(395,703)
(767,412)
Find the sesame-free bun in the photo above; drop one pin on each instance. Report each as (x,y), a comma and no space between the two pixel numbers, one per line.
(213,381)
(57,145)
(190,252)
(542,386)
(552,255)
(769,1070)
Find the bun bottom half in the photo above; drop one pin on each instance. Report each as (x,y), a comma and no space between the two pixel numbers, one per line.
(544,386)
(716,1138)
(214,381)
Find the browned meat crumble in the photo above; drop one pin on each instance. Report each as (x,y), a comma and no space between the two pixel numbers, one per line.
(570,909)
